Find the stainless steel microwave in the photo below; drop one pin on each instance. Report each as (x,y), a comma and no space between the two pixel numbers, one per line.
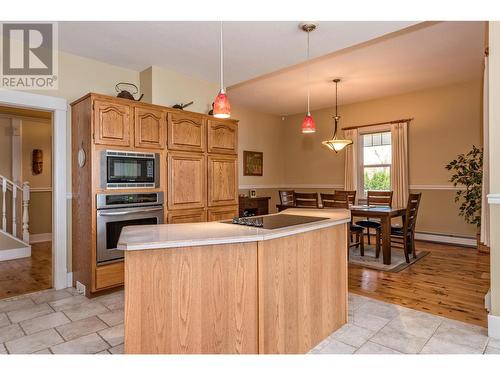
(128,170)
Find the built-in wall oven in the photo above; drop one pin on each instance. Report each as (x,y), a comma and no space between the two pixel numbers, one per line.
(115,211)
(124,169)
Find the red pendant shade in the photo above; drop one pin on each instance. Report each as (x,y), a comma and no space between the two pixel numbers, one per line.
(222,108)
(308,125)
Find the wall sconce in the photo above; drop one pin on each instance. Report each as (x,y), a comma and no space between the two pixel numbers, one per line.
(37,162)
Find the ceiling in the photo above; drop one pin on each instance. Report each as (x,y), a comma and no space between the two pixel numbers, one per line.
(425,55)
(251,48)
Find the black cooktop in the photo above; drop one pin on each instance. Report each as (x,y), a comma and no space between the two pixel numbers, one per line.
(274,221)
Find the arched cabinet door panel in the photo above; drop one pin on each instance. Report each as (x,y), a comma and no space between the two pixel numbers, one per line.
(149,128)
(186,132)
(222,137)
(111,123)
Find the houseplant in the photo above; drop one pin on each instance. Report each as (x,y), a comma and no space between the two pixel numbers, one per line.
(468,175)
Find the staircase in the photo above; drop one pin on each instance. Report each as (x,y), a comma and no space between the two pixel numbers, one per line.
(14,234)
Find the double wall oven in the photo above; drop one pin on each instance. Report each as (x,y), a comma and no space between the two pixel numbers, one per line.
(115,211)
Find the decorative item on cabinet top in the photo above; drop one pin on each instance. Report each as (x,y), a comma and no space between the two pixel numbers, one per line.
(124,94)
(182,105)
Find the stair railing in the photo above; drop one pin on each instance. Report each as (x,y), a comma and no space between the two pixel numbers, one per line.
(24,193)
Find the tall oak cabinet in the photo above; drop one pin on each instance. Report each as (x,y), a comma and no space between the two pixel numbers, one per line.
(198,170)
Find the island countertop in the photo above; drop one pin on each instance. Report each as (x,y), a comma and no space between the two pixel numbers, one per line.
(163,236)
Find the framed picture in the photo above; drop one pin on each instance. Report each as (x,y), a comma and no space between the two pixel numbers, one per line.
(253,193)
(253,163)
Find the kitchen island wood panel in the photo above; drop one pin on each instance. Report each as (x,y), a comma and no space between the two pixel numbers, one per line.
(199,299)
(302,289)
(221,288)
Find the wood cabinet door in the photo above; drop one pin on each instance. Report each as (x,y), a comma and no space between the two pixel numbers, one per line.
(186,180)
(222,137)
(111,123)
(149,128)
(186,132)
(187,216)
(222,213)
(222,180)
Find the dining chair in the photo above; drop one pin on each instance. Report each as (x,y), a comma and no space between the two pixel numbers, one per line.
(375,198)
(405,235)
(341,200)
(351,195)
(287,197)
(306,200)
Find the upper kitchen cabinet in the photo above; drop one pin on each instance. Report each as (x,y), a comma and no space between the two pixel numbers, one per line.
(186,132)
(149,128)
(222,137)
(186,180)
(222,180)
(111,123)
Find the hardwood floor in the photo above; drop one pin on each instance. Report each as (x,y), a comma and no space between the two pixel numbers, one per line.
(451,281)
(26,275)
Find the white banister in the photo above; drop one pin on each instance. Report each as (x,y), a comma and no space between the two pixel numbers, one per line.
(8,185)
(14,209)
(4,205)
(26,200)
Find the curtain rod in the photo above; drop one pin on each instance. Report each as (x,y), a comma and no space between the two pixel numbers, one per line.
(378,123)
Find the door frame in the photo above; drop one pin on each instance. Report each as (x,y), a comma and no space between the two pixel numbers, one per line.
(59,108)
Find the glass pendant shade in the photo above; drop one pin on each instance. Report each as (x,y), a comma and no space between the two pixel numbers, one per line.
(222,108)
(337,144)
(308,125)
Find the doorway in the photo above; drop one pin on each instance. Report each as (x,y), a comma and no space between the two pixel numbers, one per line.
(57,256)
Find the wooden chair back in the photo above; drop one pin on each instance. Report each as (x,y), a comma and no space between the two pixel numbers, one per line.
(306,200)
(337,200)
(351,195)
(410,218)
(287,197)
(379,198)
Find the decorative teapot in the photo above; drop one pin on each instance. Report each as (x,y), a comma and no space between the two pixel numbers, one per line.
(124,94)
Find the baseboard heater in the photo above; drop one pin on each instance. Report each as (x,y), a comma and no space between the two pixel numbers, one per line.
(446,238)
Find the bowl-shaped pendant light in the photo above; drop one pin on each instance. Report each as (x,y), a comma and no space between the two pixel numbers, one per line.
(336,144)
(222,108)
(308,125)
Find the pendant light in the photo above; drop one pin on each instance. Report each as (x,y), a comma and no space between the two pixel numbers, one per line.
(308,125)
(222,108)
(336,144)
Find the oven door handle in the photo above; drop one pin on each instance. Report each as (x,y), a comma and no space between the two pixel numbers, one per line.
(130,212)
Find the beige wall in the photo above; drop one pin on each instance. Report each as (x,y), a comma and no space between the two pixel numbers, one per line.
(6,147)
(167,87)
(494,133)
(37,134)
(447,121)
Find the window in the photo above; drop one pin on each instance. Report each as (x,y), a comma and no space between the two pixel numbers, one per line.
(376,157)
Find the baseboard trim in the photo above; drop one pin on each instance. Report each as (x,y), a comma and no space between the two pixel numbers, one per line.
(40,237)
(494,326)
(445,238)
(69,279)
(22,252)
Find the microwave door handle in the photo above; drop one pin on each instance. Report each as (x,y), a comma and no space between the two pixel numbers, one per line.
(129,212)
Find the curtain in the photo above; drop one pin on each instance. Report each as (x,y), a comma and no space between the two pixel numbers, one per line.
(351,161)
(485,209)
(399,169)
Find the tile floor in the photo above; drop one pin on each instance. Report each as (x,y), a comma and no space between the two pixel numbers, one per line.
(376,327)
(63,322)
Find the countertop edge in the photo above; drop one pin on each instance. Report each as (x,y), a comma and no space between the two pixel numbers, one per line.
(283,232)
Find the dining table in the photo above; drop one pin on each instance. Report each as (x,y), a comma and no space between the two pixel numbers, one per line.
(385,214)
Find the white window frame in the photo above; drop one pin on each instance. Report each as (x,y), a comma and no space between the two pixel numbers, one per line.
(360,168)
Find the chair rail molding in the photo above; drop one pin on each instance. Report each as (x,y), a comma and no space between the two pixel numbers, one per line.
(493,198)
(58,107)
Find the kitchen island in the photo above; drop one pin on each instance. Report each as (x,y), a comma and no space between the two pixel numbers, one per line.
(224,288)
